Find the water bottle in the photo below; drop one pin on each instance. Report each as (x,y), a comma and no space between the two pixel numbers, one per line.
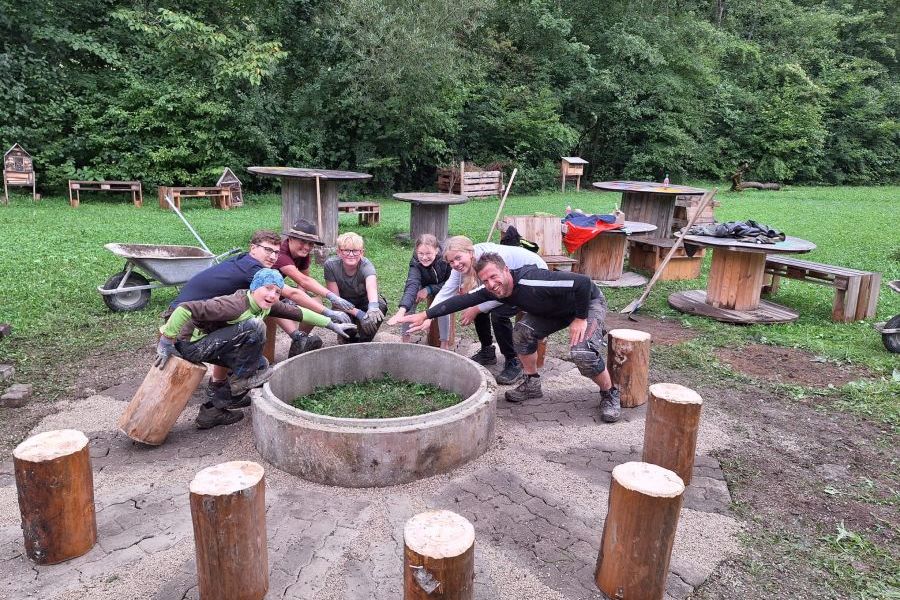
(666,180)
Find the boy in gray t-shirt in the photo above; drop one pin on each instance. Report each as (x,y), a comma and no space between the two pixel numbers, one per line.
(352,276)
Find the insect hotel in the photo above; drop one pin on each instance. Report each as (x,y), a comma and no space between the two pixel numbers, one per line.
(18,170)
(571,167)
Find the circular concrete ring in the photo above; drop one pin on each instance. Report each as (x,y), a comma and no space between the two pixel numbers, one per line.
(373,452)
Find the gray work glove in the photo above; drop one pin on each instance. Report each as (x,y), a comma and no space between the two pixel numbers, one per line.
(374,313)
(338,302)
(336,315)
(164,349)
(368,327)
(342,329)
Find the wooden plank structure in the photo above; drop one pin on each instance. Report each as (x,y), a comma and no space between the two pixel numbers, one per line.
(230,180)
(369,212)
(228,511)
(438,557)
(649,202)
(132,187)
(219,197)
(546,232)
(685,208)
(55,485)
(639,532)
(430,213)
(670,431)
(855,292)
(646,254)
(474,183)
(571,167)
(18,171)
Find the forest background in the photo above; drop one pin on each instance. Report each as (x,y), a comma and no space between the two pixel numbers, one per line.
(170,93)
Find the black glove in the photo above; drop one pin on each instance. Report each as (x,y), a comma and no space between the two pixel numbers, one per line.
(164,349)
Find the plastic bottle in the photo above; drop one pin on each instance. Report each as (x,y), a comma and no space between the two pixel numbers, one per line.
(666,180)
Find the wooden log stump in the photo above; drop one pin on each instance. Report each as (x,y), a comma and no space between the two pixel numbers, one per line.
(271,335)
(644,505)
(56,495)
(159,401)
(439,557)
(228,510)
(670,432)
(629,364)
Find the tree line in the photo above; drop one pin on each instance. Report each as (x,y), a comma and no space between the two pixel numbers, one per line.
(170,93)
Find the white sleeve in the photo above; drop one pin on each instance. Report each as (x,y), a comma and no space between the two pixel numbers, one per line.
(449,289)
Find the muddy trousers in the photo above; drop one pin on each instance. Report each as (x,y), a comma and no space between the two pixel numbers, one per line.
(500,319)
(238,347)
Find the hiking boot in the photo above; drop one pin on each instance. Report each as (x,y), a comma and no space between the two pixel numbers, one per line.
(486,356)
(304,343)
(240,386)
(511,372)
(529,388)
(222,391)
(210,416)
(610,405)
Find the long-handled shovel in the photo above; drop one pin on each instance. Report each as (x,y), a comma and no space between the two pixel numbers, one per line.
(679,239)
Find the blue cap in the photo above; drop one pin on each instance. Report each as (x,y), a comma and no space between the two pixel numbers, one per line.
(265,277)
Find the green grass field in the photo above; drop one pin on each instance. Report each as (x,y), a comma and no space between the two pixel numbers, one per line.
(52,259)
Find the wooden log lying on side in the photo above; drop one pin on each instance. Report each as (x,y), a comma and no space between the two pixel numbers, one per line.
(756,185)
(228,509)
(56,495)
(629,364)
(644,505)
(670,432)
(159,401)
(439,557)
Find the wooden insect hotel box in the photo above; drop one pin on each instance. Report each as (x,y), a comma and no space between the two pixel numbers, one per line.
(571,167)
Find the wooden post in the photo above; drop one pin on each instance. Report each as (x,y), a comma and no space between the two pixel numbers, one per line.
(228,509)
(159,401)
(644,505)
(271,333)
(56,495)
(438,557)
(629,364)
(670,432)
(434,333)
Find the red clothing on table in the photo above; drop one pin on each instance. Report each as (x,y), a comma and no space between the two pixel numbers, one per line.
(286,260)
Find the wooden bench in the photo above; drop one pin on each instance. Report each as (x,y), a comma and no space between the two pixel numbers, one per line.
(646,254)
(856,292)
(369,212)
(132,187)
(219,197)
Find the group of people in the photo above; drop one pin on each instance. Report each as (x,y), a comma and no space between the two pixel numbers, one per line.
(218,316)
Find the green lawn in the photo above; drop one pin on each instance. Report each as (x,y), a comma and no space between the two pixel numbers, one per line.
(52,258)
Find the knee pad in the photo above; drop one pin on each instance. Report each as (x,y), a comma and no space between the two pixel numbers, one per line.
(524,340)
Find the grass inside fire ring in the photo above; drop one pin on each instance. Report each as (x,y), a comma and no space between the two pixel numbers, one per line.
(380,398)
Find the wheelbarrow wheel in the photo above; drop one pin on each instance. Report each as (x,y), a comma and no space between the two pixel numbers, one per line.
(126,301)
(891,341)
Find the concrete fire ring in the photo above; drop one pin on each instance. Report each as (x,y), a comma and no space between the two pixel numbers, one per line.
(374,452)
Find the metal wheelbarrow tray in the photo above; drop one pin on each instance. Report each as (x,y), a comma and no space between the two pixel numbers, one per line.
(129,290)
(890,331)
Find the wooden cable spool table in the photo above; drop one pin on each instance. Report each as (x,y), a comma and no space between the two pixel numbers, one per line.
(430,213)
(603,258)
(649,202)
(300,200)
(735,282)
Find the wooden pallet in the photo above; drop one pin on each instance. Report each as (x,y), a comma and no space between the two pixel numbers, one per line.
(219,197)
(474,183)
(646,254)
(369,212)
(130,187)
(855,291)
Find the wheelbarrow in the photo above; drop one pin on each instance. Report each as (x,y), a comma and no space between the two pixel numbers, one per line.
(890,331)
(165,266)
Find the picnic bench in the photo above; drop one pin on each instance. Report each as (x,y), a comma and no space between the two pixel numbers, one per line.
(855,291)
(133,187)
(219,197)
(369,212)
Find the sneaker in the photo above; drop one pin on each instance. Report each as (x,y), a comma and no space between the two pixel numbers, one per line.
(486,356)
(529,388)
(511,372)
(221,390)
(610,405)
(211,416)
(304,343)
(240,386)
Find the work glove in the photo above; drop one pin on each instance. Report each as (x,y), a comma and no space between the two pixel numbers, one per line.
(164,349)
(342,329)
(368,327)
(374,313)
(338,302)
(336,315)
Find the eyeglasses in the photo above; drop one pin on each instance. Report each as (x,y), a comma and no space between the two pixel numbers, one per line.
(269,251)
(349,252)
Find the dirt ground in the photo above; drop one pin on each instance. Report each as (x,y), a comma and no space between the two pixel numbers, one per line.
(795,469)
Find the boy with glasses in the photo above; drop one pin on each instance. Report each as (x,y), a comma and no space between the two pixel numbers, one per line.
(352,276)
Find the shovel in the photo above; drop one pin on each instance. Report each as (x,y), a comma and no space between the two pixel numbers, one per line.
(196,235)
(679,239)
